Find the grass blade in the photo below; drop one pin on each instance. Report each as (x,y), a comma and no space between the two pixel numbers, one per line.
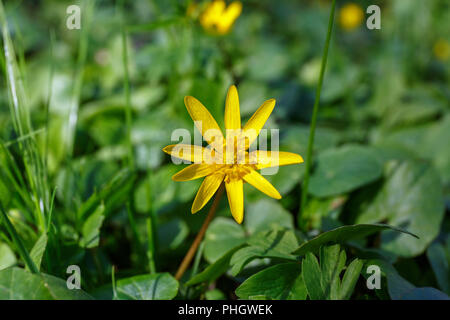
(315,110)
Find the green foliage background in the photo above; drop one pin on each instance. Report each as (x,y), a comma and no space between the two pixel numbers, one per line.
(83,180)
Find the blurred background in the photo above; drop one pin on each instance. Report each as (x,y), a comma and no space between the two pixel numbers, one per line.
(385,97)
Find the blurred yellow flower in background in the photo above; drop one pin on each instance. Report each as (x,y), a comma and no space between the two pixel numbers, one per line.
(218,17)
(351,16)
(441,49)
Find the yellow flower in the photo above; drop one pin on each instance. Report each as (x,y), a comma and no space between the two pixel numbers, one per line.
(441,49)
(218,18)
(351,16)
(228,160)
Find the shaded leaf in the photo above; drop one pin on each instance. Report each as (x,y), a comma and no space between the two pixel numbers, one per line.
(439,261)
(160,286)
(215,270)
(266,214)
(7,256)
(343,234)
(401,289)
(411,198)
(19,284)
(91,228)
(283,281)
(272,244)
(345,169)
(38,250)
(222,235)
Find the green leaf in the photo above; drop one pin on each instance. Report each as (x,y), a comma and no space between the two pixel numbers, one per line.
(350,278)
(332,262)
(111,189)
(7,256)
(172,234)
(323,281)
(283,281)
(401,289)
(343,170)
(410,198)
(267,244)
(91,228)
(19,284)
(312,277)
(342,235)
(439,261)
(215,270)
(266,214)
(425,293)
(160,286)
(222,235)
(38,250)
(215,294)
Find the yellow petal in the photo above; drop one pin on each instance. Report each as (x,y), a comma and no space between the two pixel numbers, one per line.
(228,17)
(260,183)
(232,113)
(235,193)
(194,171)
(207,189)
(203,120)
(268,159)
(187,152)
(256,122)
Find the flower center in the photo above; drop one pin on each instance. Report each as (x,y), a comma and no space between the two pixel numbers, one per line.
(235,171)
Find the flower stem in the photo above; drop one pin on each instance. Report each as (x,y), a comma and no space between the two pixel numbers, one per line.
(198,239)
(315,110)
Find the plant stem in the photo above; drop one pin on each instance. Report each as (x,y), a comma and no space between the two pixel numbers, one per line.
(315,111)
(127,95)
(113,280)
(151,246)
(198,239)
(18,242)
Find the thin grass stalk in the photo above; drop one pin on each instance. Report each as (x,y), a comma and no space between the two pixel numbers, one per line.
(48,102)
(87,9)
(198,258)
(150,246)
(22,125)
(128,115)
(315,111)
